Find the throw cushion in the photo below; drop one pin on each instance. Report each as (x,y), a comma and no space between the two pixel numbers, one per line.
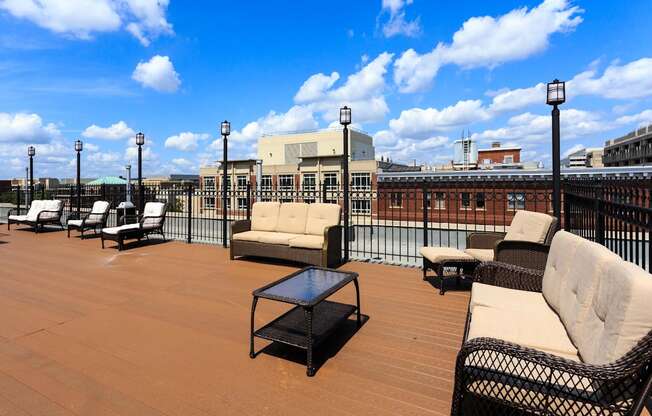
(292,218)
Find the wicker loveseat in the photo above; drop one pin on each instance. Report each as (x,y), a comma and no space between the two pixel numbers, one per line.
(41,212)
(575,339)
(306,233)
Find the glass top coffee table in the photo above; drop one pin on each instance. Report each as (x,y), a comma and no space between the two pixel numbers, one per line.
(313,318)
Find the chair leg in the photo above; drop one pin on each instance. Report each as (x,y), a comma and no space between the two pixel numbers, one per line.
(440,273)
(68,231)
(425,267)
(102,238)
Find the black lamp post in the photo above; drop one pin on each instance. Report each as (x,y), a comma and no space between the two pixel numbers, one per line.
(78,148)
(140,141)
(556,96)
(31,152)
(225,130)
(345,120)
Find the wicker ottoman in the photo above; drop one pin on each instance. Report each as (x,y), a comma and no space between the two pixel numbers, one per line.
(438,258)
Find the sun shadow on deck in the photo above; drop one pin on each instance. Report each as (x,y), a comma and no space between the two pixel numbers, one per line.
(321,354)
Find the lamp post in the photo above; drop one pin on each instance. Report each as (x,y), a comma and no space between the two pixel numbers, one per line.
(31,152)
(556,95)
(225,129)
(140,141)
(345,120)
(78,148)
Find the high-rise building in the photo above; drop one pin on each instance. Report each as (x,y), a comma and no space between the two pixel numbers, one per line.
(634,148)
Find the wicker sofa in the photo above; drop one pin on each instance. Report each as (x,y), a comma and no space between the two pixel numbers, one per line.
(41,212)
(305,233)
(575,339)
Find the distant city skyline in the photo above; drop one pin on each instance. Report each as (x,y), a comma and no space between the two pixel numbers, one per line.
(415,73)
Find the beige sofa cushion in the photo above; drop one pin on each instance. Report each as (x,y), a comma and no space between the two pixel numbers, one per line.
(264,216)
(321,216)
(439,254)
(537,327)
(507,299)
(248,235)
(560,259)
(589,263)
(276,238)
(620,313)
(308,241)
(292,218)
(529,226)
(480,253)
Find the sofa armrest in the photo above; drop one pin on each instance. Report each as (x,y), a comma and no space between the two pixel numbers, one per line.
(523,253)
(531,381)
(483,240)
(333,245)
(240,226)
(508,276)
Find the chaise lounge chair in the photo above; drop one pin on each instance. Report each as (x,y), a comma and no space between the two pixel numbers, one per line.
(525,244)
(151,222)
(92,221)
(41,212)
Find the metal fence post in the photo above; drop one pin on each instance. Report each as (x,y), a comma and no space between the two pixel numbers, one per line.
(323,190)
(189,209)
(18,199)
(599,218)
(567,209)
(42,192)
(248,201)
(424,195)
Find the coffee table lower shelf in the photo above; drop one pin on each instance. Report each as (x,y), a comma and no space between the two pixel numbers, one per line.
(290,328)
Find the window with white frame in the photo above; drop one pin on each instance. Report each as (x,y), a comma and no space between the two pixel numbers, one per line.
(309,182)
(209,202)
(266,182)
(465,200)
(286,182)
(242,203)
(516,200)
(209,183)
(361,181)
(439,200)
(396,200)
(361,206)
(330,181)
(508,159)
(480,200)
(241,181)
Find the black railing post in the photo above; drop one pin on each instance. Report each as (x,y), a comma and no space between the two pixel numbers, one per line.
(599,218)
(42,192)
(567,210)
(18,199)
(189,209)
(424,195)
(248,201)
(323,190)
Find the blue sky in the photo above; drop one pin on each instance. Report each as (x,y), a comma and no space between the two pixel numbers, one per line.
(415,72)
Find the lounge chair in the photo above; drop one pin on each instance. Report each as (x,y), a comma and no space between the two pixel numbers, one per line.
(151,222)
(525,244)
(575,339)
(41,212)
(95,220)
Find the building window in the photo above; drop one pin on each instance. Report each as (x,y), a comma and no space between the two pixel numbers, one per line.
(242,203)
(508,159)
(241,181)
(486,161)
(466,200)
(396,200)
(479,200)
(361,181)
(209,183)
(286,182)
(309,182)
(209,202)
(516,200)
(330,181)
(361,206)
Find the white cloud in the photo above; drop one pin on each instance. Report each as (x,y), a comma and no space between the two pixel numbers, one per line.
(26,128)
(573,149)
(400,149)
(186,141)
(488,42)
(145,19)
(131,154)
(419,122)
(296,118)
(632,80)
(397,24)
(117,131)
(182,163)
(510,100)
(158,73)
(642,118)
(104,157)
(362,91)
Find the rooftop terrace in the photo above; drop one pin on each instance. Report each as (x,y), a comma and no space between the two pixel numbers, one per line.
(163,329)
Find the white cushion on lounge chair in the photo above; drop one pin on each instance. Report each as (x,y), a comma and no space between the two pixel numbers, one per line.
(529,226)
(100,207)
(439,254)
(18,217)
(482,254)
(153,209)
(76,223)
(116,230)
(35,207)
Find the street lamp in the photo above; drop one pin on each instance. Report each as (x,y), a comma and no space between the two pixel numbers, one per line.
(140,141)
(225,129)
(31,152)
(556,95)
(78,148)
(345,120)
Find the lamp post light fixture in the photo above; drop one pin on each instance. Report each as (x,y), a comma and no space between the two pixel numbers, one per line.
(345,120)
(79,146)
(225,129)
(556,95)
(31,152)
(140,141)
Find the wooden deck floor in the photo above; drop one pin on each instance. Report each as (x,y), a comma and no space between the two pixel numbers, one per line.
(162,329)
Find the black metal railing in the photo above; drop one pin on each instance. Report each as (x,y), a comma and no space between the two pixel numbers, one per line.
(614,212)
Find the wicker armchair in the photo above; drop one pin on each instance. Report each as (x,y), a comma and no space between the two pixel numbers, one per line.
(150,222)
(494,376)
(94,220)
